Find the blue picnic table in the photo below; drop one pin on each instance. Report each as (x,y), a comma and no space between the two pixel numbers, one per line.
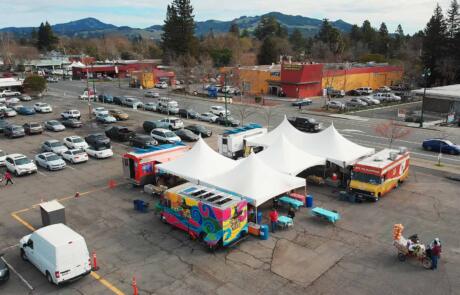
(285,221)
(330,216)
(296,204)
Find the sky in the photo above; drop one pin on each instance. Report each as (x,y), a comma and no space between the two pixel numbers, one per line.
(411,14)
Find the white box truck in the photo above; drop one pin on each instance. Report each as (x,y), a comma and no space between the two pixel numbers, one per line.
(58,252)
(232,143)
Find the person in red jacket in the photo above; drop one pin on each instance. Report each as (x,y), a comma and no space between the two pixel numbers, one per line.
(273,219)
(8,178)
(435,254)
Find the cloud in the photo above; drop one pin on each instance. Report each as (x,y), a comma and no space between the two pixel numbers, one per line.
(411,14)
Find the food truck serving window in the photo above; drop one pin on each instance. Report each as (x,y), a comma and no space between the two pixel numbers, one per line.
(367,178)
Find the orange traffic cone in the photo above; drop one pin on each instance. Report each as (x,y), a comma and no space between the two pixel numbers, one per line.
(94,266)
(77,195)
(134,284)
(112,183)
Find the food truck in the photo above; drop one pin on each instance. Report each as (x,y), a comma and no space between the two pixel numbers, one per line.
(215,217)
(232,143)
(139,164)
(378,174)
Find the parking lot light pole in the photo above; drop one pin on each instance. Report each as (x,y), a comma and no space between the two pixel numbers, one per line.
(425,75)
(225,98)
(87,91)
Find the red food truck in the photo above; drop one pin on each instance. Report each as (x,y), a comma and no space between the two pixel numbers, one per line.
(139,164)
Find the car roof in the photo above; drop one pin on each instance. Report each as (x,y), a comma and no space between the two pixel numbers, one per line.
(47,154)
(161,129)
(73,136)
(52,140)
(16,156)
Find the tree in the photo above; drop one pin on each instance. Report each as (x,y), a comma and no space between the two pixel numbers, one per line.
(383,41)
(297,40)
(367,33)
(34,84)
(268,113)
(269,27)
(245,33)
(272,48)
(331,37)
(398,39)
(392,131)
(355,33)
(46,40)
(453,20)
(221,57)
(244,112)
(234,29)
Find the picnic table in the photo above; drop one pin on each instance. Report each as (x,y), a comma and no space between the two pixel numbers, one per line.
(299,197)
(284,221)
(296,204)
(330,216)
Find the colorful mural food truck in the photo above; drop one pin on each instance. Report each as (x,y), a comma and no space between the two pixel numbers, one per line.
(378,174)
(139,164)
(212,216)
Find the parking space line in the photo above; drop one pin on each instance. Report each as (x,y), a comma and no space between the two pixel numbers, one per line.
(22,221)
(70,167)
(106,283)
(41,173)
(18,274)
(8,248)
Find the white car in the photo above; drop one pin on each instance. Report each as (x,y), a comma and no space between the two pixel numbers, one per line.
(25,97)
(99,152)
(100,110)
(370,100)
(75,142)
(86,96)
(9,112)
(2,158)
(164,135)
(75,156)
(19,164)
(9,93)
(105,118)
(219,111)
(12,100)
(150,106)
(16,106)
(151,94)
(335,104)
(71,114)
(54,125)
(173,123)
(50,161)
(54,146)
(161,85)
(41,107)
(208,117)
(132,101)
(386,97)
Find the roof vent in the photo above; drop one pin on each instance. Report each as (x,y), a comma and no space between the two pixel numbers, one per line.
(393,156)
(402,150)
(378,159)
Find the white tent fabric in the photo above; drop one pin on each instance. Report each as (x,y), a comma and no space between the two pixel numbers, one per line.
(76,65)
(255,181)
(288,158)
(198,163)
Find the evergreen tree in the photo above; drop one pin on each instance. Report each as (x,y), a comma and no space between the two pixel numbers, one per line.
(355,33)
(234,29)
(453,19)
(367,33)
(297,40)
(269,26)
(384,40)
(46,40)
(245,33)
(331,37)
(398,40)
(272,48)
(434,45)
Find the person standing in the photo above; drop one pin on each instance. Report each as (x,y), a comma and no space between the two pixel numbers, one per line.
(435,254)
(291,213)
(8,178)
(274,219)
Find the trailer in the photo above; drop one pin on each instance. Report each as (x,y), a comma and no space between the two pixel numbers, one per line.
(139,164)
(232,143)
(214,217)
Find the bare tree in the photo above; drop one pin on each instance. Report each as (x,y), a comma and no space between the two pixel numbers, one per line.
(184,67)
(268,112)
(244,112)
(392,131)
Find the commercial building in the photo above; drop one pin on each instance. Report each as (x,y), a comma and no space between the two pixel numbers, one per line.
(120,69)
(258,80)
(148,79)
(444,100)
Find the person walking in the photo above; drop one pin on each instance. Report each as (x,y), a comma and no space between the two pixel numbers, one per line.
(435,254)
(8,178)
(273,219)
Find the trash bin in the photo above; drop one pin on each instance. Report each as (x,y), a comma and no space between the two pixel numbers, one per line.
(309,201)
(259,217)
(264,232)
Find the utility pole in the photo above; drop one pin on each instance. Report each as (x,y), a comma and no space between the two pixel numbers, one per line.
(87,92)
(225,97)
(425,75)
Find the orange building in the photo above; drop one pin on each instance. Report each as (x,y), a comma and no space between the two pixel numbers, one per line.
(256,80)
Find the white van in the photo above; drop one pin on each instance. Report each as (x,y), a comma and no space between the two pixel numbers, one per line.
(58,252)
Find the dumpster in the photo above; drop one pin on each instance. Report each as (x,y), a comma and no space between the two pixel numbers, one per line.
(309,201)
(264,232)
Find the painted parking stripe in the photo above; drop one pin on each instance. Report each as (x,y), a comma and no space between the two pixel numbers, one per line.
(42,174)
(8,248)
(70,167)
(18,274)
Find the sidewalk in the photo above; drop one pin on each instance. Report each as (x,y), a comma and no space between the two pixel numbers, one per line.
(449,170)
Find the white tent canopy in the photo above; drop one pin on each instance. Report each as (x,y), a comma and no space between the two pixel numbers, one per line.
(198,163)
(255,181)
(285,157)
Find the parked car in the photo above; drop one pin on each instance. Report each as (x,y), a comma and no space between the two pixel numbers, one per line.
(228,121)
(119,133)
(25,97)
(151,93)
(356,102)
(33,128)
(54,125)
(14,131)
(142,141)
(173,123)
(52,80)
(361,91)
(54,146)
(441,146)
(384,89)
(335,93)
(119,115)
(4,271)
(161,85)
(99,151)
(105,118)
(164,135)
(186,135)
(188,113)
(370,100)
(97,139)
(6,93)
(150,106)
(333,104)
(74,114)
(305,124)
(99,110)
(131,102)
(58,252)
(150,125)
(50,161)
(208,117)
(10,101)
(8,112)
(3,124)
(19,164)
(75,156)
(199,130)
(219,111)
(168,107)
(15,106)
(2,158)
(41,107)
(72,123)
(118,100)
(26,111)
(413,116)
(386,97)
(105,98)
(75,142)
(302,102)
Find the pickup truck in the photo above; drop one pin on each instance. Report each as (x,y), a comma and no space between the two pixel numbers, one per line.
(305,124)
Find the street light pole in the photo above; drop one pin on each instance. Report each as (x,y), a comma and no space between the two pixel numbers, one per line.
(425,75)
(87,91)
(225,97)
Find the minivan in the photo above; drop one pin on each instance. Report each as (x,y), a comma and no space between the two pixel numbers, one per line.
(58,252)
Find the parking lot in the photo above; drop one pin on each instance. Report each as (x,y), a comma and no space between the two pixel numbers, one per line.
(355,256)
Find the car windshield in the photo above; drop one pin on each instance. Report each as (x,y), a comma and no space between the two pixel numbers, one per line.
(17,128)
(448,142)
(53,122)
(169,134)
(367,178)
(33,125)
(52,158)
(21,161)
(77,140)
(55,144)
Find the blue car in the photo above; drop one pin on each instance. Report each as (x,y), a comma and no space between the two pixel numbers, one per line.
(107,98)
(303,102)
(441,145)
(26,111)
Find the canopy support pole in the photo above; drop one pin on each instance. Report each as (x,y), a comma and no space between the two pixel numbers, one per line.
(255,215)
